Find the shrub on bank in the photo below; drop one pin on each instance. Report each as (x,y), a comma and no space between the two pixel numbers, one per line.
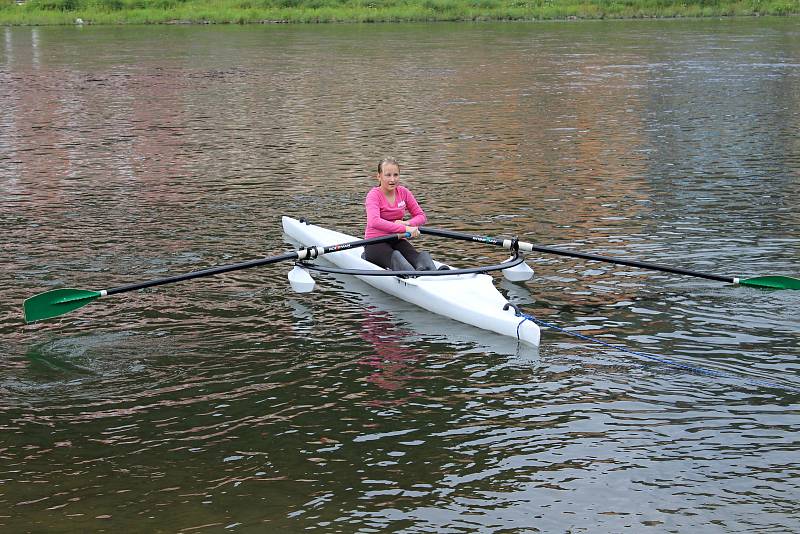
(304,11)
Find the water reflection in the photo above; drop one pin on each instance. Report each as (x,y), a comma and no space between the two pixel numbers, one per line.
(131,153)
(394,358)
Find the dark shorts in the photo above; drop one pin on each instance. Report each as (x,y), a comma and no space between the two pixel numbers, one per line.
(381,253)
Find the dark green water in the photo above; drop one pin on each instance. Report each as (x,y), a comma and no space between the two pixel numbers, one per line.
(232,404)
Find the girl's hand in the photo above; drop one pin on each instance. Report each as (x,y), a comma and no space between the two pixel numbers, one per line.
(413,230)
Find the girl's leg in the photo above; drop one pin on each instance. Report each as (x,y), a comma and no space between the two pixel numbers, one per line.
(407,250)
(380,254)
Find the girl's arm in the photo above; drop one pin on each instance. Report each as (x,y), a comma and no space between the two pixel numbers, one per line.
(418,217)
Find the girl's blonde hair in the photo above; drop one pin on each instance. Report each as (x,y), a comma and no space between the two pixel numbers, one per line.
(387,161)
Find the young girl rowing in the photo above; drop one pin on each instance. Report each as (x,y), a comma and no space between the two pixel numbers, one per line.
(386,206)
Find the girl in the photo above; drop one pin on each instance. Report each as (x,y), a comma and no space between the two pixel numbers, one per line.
(386,206)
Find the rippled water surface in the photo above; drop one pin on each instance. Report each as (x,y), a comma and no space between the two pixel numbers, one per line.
(231,403)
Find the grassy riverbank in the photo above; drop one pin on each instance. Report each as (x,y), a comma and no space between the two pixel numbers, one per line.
(304,11)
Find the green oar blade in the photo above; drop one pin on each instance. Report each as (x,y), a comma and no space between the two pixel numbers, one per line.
(772,282)
(56,302)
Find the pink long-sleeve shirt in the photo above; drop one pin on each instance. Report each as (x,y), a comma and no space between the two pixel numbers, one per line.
(381,215)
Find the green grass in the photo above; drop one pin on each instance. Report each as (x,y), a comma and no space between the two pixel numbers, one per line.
(41,12)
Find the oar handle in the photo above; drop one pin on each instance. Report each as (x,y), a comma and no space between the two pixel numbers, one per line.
(530,247)
(307,253)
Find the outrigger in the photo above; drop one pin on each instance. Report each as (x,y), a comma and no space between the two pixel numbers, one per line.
(466,295)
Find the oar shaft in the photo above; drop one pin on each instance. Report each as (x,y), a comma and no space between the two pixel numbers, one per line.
(631,263)
(505,243)
(204,272)
(308,253)
(529,247)
(60,301)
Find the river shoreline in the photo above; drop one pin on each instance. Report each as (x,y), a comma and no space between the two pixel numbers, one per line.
(117,12)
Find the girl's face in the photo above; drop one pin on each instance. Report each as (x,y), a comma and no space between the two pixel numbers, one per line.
(389,177)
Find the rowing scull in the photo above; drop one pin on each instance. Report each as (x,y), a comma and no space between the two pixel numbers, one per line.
(468,298)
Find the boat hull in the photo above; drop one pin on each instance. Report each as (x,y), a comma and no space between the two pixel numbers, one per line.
(468,298)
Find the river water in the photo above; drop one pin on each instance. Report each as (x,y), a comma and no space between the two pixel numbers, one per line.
(230,403)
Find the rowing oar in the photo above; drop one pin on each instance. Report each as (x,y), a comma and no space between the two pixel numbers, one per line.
(60,301)
(772,282)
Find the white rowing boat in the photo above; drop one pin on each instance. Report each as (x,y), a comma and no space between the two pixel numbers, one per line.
(469,298)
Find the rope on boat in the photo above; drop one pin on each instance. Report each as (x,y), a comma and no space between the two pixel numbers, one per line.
(649,356)
(516,260)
